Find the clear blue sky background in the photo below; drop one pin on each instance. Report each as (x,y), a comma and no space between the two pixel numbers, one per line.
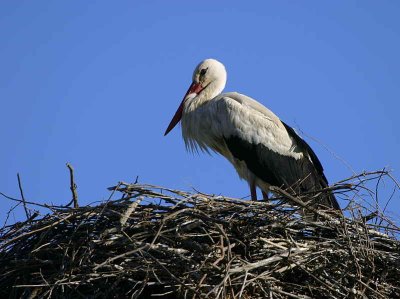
(95,83)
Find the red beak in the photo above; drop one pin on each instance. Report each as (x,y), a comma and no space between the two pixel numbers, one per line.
(194,88)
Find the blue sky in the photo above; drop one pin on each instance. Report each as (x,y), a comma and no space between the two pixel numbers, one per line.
(96,83)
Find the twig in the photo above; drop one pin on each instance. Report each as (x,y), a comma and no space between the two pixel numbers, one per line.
(299,202)
(27,213)
(132,207)
(267,261)
(35,231)
(73,186)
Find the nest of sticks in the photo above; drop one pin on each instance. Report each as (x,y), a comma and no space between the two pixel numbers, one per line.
(151,241)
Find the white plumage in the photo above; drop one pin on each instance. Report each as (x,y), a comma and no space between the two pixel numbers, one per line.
(263,150)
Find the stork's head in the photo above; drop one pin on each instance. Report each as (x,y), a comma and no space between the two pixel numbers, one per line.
(209,79)
(210,71)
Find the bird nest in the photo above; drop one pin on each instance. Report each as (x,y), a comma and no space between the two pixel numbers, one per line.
(155,241)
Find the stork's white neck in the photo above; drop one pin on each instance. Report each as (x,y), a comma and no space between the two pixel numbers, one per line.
(213,89)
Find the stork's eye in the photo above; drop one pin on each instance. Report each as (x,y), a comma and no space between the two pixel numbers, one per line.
(203,72)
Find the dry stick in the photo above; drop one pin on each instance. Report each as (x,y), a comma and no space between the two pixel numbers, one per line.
(73,186)
(29,202)
(125,254)
(221,230)
(277,257)
(171,274)
(301,203)
(222,252)
(132,207)
(27,213)
(290,294)
(243,285)
(32,232)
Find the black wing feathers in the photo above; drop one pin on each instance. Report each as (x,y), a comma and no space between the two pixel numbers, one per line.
(306,148)
(301,175)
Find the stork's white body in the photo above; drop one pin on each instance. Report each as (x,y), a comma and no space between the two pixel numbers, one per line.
(205,124)
(264,150)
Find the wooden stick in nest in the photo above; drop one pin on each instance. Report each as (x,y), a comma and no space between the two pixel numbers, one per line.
(73,186)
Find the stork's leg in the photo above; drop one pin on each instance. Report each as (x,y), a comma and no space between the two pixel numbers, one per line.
(253,190)
(265,195)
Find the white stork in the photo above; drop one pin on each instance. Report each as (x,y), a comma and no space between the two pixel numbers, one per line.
(262,148)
